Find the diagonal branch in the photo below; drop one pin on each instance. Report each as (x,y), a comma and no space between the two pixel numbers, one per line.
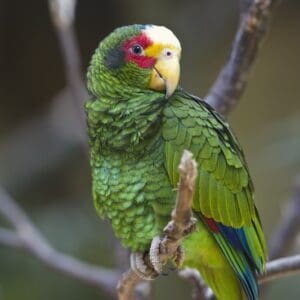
(27,237)
(281,267)
(231,82)
(283,238)
(10,239)
(278,268)
(200,289)
(62,13)
(127,285)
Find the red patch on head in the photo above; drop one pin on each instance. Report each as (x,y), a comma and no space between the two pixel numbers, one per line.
(141,60)
(212,224)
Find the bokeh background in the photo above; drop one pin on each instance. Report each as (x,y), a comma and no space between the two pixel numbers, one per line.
(43,164)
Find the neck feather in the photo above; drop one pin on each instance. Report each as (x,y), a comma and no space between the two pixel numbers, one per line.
(119,124)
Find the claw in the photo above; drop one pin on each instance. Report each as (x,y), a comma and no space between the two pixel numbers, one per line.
(179,256)
(141,268)
(154,254)
(191,227)
(157,249)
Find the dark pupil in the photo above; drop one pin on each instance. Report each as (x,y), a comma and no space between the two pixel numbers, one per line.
(137,49)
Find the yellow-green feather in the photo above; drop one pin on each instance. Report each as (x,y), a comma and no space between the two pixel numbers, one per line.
(189,125)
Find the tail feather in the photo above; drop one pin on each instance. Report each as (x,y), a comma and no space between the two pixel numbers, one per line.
(225,259)
(203,253)
(241,267)
(246,259)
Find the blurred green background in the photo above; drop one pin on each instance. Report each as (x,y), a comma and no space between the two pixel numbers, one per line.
(43,165)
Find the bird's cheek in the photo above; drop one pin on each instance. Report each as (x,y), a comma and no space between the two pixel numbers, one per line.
(144,62)
(165,75)
(157,83)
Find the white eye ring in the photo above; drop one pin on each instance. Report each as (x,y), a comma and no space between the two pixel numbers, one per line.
(167,53)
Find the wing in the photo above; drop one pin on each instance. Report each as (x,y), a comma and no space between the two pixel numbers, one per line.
(224,190)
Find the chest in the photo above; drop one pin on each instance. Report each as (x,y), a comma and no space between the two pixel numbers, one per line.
(135,193)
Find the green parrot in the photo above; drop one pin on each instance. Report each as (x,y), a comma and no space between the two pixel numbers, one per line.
(139,122)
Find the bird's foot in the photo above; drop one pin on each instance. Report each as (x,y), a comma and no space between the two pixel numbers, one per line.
(160,253)
(186,229)
(190,227)
(169,247)
(141,265)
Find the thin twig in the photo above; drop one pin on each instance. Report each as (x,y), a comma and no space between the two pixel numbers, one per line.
(281,267)
(284,237)
(27,237)
(127,284)
(62,14)
(200,289)
(231,82)
(278,268)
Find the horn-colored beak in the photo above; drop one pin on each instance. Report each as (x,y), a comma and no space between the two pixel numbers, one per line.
(165,75)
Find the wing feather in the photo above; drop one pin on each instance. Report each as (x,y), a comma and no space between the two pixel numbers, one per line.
(192,125)
(223,197)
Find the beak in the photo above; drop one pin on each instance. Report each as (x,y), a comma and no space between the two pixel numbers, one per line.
(165,75)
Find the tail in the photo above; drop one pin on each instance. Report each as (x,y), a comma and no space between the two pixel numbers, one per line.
(224,259)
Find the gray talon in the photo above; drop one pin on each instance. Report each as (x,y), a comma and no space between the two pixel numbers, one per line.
(155,251)
(139,266)
(179,256)
(191,227)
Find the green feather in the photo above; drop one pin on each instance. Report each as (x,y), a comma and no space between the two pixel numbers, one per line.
(137,137)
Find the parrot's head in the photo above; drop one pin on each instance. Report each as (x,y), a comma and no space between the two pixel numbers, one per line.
(136,57)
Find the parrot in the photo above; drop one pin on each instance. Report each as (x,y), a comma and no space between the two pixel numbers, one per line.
(140,120)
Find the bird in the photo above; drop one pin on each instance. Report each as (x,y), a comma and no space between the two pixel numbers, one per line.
(140,120)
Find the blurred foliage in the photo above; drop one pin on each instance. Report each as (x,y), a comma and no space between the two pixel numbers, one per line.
(31,74)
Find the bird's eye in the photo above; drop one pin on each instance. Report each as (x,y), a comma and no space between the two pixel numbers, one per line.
(137,49)
(167,52)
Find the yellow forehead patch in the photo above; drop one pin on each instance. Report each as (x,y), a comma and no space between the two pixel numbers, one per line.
(162,38)
(155,49)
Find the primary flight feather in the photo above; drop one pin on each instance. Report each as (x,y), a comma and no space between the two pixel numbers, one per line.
(139,122)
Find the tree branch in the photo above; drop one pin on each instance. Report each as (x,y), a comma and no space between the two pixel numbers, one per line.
(180,225)
(223,95)
(10,239)
(200,289)
(182,222)
(176,230)
(127,284)
(28,238)
(283,238)
(231,82)
(281,267)
(62,13)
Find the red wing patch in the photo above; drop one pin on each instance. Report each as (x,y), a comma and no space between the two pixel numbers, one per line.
(212,224)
